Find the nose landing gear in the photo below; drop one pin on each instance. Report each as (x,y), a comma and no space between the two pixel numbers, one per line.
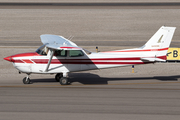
(27,80)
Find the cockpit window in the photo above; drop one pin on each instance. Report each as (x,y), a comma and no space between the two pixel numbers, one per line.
(43,50)
(75,53)
(60,53)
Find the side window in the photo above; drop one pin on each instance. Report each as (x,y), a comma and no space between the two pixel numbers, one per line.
(42,50)
(60,53)
(75,53)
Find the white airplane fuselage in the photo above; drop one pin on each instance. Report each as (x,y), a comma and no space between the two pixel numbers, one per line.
(36,63)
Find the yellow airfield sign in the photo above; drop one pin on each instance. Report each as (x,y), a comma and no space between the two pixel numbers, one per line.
(173,54)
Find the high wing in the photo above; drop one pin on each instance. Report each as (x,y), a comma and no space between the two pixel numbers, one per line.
(58,42)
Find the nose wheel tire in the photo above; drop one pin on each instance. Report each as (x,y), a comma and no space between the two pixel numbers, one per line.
(63,81)
(26,80)
(58,76)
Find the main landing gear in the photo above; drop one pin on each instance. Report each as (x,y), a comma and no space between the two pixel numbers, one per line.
(58,76)
(62,78)
(64,81)
(27,80)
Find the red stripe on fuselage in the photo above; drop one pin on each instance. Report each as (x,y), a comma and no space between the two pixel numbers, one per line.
(17,61)
(70,47)
(56,61)
(162,57)
(79,61)
(135,58)
(143,50)
(25,55)
(88,61)
(27,61)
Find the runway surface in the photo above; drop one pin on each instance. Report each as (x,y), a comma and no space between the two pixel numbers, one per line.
(152,92)
(134,101)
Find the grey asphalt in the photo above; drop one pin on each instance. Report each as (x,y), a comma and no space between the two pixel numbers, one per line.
(152,92)
(118,102)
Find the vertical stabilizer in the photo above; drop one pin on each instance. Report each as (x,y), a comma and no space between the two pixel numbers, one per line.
(161,39)
(160,42)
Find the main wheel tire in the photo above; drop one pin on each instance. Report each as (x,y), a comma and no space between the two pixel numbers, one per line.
(63,81)
(58,76)
(26,81)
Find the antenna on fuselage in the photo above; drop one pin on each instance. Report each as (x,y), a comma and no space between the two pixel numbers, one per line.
(70,37)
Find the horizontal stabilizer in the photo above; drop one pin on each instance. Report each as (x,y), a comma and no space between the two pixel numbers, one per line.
(153,60)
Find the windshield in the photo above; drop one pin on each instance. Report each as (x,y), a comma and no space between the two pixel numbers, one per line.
(43,50)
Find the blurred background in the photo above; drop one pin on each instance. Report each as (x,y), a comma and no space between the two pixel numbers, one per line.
(89,23)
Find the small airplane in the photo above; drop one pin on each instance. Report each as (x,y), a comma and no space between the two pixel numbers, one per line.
(60,56)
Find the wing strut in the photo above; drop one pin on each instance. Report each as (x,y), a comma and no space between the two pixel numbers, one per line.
(49,62)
